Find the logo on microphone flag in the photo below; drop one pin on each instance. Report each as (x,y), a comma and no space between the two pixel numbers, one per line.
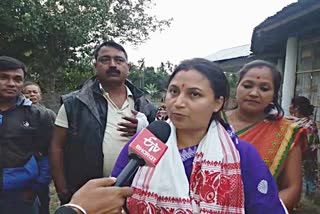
(149,147)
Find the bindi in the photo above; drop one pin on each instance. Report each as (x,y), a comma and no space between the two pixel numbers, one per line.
(258,77)
(183,85)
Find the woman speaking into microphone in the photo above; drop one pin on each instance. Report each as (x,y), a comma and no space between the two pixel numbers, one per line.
(206,168)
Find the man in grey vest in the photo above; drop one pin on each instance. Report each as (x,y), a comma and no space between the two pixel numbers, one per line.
(95,122)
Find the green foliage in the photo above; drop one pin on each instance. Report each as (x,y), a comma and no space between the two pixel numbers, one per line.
(151,89)
(77,73)
(144,77)
(50,36)
(232,79)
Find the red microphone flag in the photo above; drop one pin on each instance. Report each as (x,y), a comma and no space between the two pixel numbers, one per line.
(148,147)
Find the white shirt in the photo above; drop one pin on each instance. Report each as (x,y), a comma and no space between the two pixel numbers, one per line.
(112,141)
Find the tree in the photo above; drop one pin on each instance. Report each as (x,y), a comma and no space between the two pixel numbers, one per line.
(141,75)
(232,79)
(51,36)
(151,89)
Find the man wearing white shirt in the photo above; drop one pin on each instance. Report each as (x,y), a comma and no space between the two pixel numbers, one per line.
(95,122)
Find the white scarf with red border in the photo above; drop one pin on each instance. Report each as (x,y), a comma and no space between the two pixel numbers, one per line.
(215,183)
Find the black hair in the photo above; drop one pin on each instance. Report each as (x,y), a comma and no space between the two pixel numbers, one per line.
(109,44)
(9,63)
(276,77)
(27,83)
(303,105)
(214,74)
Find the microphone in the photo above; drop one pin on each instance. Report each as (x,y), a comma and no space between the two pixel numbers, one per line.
(148,148)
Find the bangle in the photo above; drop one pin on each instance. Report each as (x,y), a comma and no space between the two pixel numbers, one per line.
(75,206)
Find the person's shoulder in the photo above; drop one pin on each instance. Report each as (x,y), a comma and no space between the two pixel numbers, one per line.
(289,121)
(247,151)
(35,111)
(138,93)
(36,108)
(284,120)
(50,110)
(295,127)
(71,95)
(88,85)
(144,101)
(245,146)
(43,111)
(51,113)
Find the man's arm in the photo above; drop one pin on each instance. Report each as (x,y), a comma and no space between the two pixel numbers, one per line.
(97,196)
(57,163)
(44,136)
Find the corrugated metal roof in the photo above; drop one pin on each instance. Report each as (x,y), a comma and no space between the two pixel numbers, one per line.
(230,53)
(286,22)
(284,13)
(287,11)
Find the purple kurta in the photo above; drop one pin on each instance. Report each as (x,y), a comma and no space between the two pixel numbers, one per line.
(260,189)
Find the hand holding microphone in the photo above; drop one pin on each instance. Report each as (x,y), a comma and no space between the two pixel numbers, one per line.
(97,196)
(147,148)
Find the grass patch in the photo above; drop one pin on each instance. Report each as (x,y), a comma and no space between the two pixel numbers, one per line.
(54,200)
